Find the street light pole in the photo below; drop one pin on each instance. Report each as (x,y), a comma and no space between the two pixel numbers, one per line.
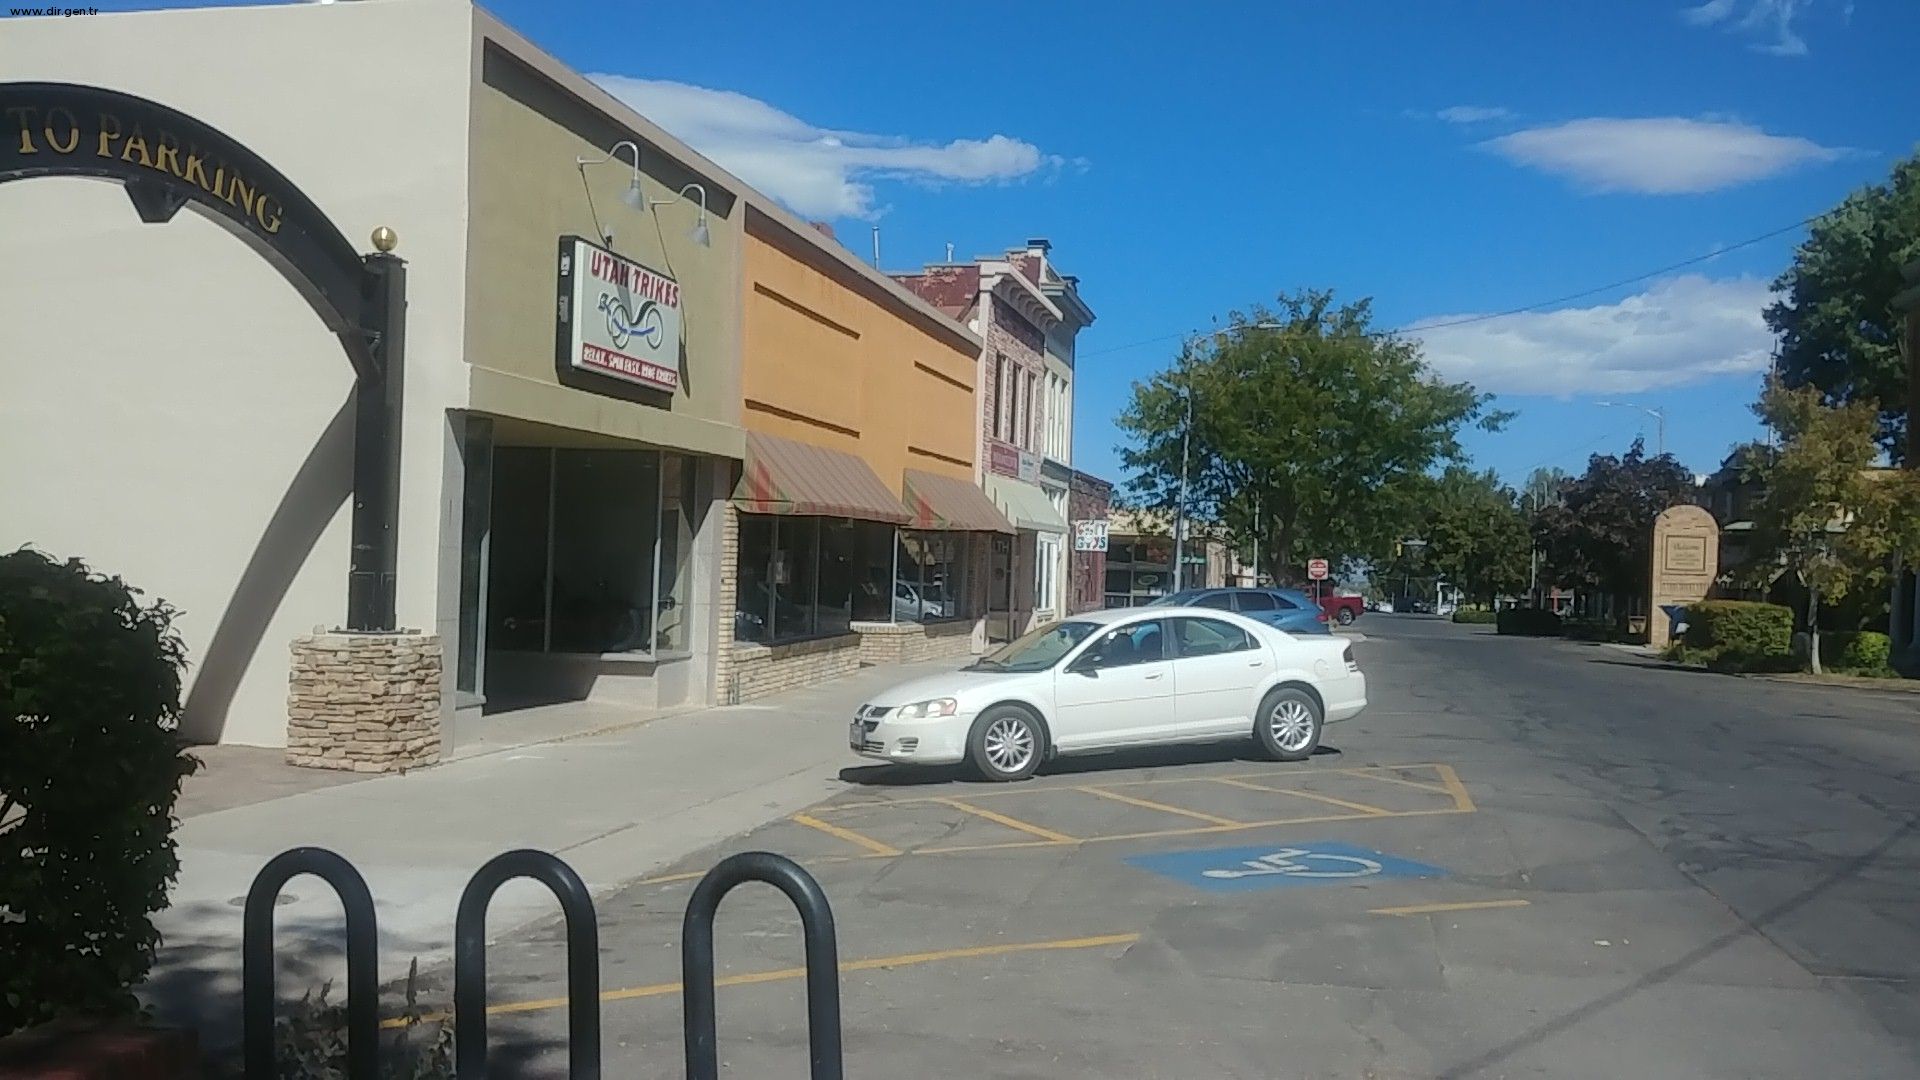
(1659,415)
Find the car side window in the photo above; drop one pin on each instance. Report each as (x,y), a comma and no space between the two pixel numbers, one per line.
(1209,637)
(1256,601)
(1285,603)
(1139,643)
(1223,601)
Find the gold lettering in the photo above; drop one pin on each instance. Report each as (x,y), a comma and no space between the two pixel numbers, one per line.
(269,221)
(196,173)
(22,115)
(166,156)
(109,131)
(237,185)
(73,131)
(136,143)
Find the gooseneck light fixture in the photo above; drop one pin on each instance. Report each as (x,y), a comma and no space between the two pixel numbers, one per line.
(699,234)
(633,196)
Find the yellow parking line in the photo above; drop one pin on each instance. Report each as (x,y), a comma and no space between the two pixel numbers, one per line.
(1461,800)
(1010,822)
(1370,811)
(1429,909)
(1162,807)
(753,978)
(848,835)
(1375,773)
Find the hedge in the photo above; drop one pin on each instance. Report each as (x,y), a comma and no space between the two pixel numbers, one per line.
(90,765)
(1864,653)
(1477,616)
(1740,635)
(1591,630)
(1528,622)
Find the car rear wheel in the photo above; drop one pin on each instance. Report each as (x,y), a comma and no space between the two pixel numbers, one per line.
(1288,728)
(1345,618)
(1005,744)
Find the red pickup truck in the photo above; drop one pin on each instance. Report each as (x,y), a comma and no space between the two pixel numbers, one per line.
(1342,609)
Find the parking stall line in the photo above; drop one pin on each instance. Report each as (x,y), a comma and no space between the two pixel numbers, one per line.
(1374,772)
(1370,811)
(1432,909)
(1162,807)
(1010,822)
(1461,800)
(848,835)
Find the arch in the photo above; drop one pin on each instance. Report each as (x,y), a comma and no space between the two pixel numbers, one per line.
(166,160)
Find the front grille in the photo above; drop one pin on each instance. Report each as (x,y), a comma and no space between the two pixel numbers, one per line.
(875,745)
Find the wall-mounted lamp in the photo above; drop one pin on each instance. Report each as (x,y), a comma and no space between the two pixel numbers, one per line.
(700,234)
(633,196)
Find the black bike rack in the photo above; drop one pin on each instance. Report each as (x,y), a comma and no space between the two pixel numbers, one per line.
(256,961)
(470,962)
(583,961)
(823,965)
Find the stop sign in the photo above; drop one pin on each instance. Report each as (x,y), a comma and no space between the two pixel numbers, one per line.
(1317,569)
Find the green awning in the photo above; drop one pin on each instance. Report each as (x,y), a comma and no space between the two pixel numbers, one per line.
(1025,505)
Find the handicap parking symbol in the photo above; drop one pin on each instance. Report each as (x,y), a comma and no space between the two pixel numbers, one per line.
(1237,869)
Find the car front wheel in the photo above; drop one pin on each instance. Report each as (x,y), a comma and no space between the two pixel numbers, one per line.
(1289,724)
(1005,744)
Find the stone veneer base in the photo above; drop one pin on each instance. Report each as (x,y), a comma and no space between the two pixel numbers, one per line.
(364,702)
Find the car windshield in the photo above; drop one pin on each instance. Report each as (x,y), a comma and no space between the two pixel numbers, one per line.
(1183,598)
(1038,649)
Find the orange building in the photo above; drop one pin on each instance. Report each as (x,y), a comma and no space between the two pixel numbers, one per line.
(856,531)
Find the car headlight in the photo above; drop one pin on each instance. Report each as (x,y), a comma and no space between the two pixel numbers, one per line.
(921,710)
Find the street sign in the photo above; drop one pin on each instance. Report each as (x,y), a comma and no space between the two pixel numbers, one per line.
(1317,569)
(1237,869)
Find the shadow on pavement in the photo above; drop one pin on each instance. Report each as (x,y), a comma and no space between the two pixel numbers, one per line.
(1154,757)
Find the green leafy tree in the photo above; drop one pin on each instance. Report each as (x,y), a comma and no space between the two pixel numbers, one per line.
(1600,535)
(1543,488)
(1304,437)
(1835,319)
(1827,515)
(1476,535)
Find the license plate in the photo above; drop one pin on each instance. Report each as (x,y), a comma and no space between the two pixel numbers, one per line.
(854,734)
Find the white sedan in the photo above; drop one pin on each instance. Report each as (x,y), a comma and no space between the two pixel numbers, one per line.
(1118,678)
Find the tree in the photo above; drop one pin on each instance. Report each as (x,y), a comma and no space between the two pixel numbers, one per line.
(1600,535)
(1838,330)
(1543,488)
(1475,533)
(1303,437)
(1826,513)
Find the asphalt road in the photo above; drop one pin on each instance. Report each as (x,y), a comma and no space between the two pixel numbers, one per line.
(1528,858)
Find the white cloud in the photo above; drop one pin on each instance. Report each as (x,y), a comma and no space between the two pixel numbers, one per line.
(819,172)
(1473,114)
(1663,155)
(1771,20)
(1680,330)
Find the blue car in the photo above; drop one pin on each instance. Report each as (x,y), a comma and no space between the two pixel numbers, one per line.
(1284,609)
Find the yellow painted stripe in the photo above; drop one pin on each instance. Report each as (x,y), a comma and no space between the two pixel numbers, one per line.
(753,978)
(848,835)
(1429,909)
(1370,811)
(1010,822)
(1162,807)
(1461,800)
(1377,773)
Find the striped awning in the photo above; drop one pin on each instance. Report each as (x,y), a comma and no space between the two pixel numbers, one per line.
(951,504)
(788,477)
(1025,504)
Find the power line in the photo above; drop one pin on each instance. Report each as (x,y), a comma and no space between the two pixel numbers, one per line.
(1418,328)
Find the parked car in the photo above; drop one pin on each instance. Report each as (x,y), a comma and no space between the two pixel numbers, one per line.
(1342,609)
(1118,678)
(1283,609)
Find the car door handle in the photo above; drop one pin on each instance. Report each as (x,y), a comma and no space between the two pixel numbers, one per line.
(1155,674)
(1256,663)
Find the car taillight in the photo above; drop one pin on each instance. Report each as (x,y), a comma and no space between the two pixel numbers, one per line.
(1321,616)
(1346,654)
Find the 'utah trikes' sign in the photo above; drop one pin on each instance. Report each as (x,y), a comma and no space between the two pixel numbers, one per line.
(617,317)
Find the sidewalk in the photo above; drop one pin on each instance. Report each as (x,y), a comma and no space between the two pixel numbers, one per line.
(615,805)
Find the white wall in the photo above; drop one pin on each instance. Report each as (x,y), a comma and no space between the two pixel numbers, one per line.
(170,410)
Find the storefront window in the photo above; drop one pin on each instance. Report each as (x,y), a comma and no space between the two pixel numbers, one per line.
(793,576)
(677,513)
(931,583)
(517,561)
(476,452)
(810,577)
(753,595)
(606,525)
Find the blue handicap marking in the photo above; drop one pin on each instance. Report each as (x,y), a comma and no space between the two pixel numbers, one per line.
(1321,862)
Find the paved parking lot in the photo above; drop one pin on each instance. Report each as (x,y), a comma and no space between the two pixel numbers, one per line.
(1438,893)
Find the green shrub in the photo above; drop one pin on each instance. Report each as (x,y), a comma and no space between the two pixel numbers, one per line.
(90,765)
(1591,630)
(1741,635)
(1476,616)
(1528,622)
(1864,653)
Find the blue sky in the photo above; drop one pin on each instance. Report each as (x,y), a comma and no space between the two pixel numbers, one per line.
(1445,159)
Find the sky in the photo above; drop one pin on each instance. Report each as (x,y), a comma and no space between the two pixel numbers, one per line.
(1446,160)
